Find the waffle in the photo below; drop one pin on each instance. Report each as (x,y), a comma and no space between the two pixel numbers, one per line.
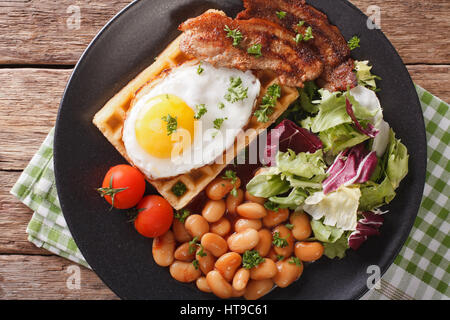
(110,120)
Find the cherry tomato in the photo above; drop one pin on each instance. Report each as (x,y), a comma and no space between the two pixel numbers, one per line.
(155,216)
(123,186)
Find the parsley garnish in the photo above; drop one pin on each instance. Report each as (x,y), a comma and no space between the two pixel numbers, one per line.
(272,206)
(251,258)
(201,253)
(290,226)
(193,245)
(182,215)
(236,35)
(236,91)
(200,69)
(268,103)
(231,175)
(300,23)
(172,124)
(281,14)
(179,189)
(200,110)
(353,43)
(298,38)
(279,242)
(221,105)
(304,37)
(255,50)
(280,257)
(295,260)
(195,263)
(218,123)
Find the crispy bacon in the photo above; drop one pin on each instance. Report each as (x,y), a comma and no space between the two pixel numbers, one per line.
(328,40)
(205,38)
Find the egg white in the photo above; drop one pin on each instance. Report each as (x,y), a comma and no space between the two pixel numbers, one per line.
(208,88)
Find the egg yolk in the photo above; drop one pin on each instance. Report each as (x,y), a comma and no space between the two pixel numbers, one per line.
(160,137)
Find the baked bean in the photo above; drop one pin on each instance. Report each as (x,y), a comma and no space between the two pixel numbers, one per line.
(196,225)
(220,187)
(221,227)
(258,288)
(180,232)
(252,198)
(214,244)
(214,210)
(227,264)
(184,252)
(251,210)
(202,284)
(219,286)
(283,233)
(308,251)
(264,270)
(265,242)
(274,218)
(302,226)
(242,241)
(184,271)
(234,201)
(163,249)
(272,254)
(242,224)
(240,279)
(287,273)
(237,293)
(205,260)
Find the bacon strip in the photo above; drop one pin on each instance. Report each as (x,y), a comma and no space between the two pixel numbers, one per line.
(328,41)
(205,38)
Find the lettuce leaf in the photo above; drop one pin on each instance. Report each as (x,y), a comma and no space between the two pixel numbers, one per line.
(336,249)
(295,198)
(341,137)
(374,195)
(325,233)
(397,160)
(365,76)
(268,184)
(303,164)
(307,94)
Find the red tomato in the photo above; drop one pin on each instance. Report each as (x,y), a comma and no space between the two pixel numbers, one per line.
(123,186)
(155,216)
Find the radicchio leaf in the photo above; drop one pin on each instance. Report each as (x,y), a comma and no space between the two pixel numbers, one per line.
(287,135)
(355,165)
(371,131)
(368,226)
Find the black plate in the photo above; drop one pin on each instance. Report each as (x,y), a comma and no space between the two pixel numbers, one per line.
(116,252)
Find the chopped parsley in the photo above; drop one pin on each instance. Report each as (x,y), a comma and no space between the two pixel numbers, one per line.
(304,37)
(172,124)
(200,111)
(268,103)
(296,261)
(218,123)
(298,38)
(272,206)
(221,105)
(236,91)
(200,252)
(236,35)
(255,50)
(200,69)
(251,258)
(182,215)
(280,257)
(290,226)
(353,43)
(195,264)
(281,14)
(279,242)
(300,23)
(179,189)
(231,175)
(193,245)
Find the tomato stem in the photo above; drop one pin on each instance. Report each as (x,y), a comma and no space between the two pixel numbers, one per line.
(110,191)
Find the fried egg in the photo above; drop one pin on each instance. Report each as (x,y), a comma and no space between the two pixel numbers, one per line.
(188,119)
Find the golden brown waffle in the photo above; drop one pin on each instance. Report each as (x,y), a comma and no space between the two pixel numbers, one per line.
(110,120)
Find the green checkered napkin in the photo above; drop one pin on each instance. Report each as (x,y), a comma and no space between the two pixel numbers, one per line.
(420,271)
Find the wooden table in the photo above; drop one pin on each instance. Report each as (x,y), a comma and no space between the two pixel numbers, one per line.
(37,54)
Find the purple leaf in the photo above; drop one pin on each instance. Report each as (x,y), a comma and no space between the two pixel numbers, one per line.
(287,135)
(368,226)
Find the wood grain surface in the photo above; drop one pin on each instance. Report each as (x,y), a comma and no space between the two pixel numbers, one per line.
(37,54)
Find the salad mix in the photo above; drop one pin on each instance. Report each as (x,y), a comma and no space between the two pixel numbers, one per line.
(333,156)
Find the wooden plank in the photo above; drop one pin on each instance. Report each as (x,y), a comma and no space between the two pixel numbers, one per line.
(36,31)
(48,278)
(435,79)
